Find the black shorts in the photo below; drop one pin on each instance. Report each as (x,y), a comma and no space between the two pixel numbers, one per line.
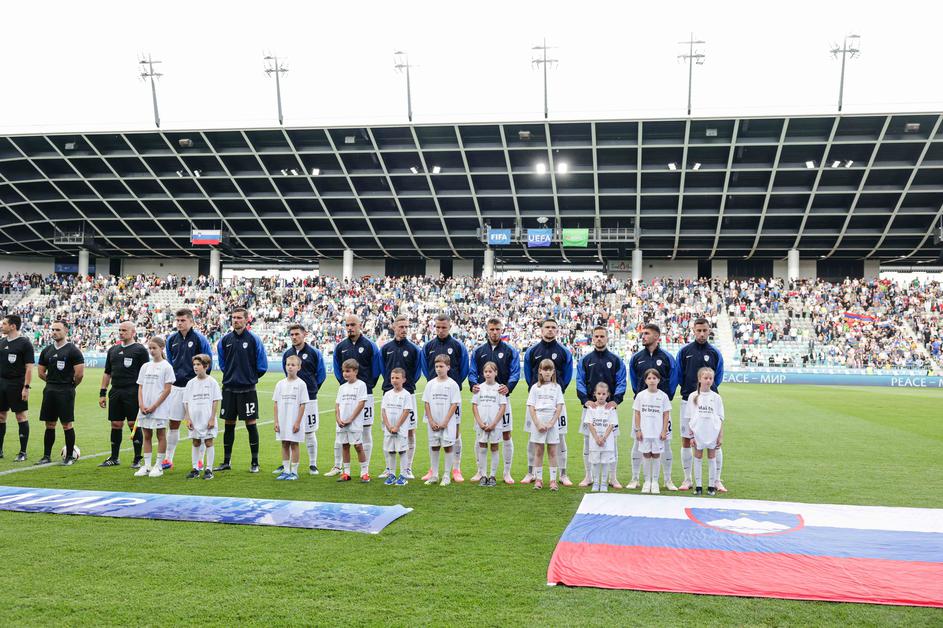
(123,404)
(11,396)
(239,405)
(58,405)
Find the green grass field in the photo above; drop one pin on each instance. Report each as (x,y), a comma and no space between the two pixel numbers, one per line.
(466,555)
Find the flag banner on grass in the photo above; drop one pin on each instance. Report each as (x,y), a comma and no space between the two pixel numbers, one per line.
(575,237)
(753,548)
(203,508)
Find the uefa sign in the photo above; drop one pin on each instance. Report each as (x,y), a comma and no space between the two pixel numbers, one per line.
(539,237)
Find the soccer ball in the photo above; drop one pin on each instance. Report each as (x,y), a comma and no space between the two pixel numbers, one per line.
(75,452)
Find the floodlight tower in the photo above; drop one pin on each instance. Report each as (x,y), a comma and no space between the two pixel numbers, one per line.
(276,67)
(543,62)
(148,73)
(401,64)
(848,50)
(692,57)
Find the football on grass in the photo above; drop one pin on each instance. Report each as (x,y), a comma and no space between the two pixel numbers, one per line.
(75,452)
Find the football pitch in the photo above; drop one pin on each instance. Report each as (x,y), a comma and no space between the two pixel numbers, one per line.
(466,555)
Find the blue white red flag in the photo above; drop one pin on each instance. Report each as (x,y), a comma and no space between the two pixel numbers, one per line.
(754,548)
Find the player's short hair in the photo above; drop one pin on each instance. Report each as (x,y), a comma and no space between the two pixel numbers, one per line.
(350,365)
(399,319)
(652,327)
(443,317)
(601,327)
(203,359)
(243,310)
(13,319)
(398,371)
(700,320)
(489,365)
(444,359)
(184,311)
(651,372)
(548,320)
(62,322)
(295,326)
(493,321)
(294,358)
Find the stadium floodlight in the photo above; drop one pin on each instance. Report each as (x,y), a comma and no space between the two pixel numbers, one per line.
(293,172)
(414,169)
(70,145)
(836,163)
(810,164)
(180,173)
(543,62)
(697,165)
(436,169)
(350,139)
(849,50)
(197,173)
(672,166)
(315,172)
(274,66)
(692,57)
(849,163)
(542,220)
(401,64)
(912,127)
(562,167)
(284,172)
(523,135)
(711,132)
(148,73)
(541,168)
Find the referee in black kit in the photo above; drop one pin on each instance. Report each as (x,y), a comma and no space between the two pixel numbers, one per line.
(122,366)
(16,371)
(62,367)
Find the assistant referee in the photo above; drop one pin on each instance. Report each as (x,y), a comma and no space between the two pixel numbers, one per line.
(62,367)
(122,366)
(16,371)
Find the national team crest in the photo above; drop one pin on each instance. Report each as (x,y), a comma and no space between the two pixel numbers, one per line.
(553,356)
(746,522)
(304,356)
(360,350)
(706,358)
(405,353)
(608,365)
(449,351)
(658,362)
(128,362)
(501,356)
(190,343)
(245,345)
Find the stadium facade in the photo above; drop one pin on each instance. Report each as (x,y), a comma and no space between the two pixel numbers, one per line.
(827,196)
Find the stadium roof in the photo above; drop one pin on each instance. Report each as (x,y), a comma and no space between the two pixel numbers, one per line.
(850,186)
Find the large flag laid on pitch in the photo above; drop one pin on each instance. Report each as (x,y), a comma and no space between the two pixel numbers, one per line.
(754,548)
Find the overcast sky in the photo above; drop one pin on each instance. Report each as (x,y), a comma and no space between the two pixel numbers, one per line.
(73,65)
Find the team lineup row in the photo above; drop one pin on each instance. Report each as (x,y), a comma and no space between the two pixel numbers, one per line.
(153,390)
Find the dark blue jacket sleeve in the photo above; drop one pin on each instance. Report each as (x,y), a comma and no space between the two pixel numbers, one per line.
(581,383)
(321,374)
(221,355)
(514,373)
(285,361)
(426,367)
(679,363)
(633,378)
(675,379)
(261,359)
(377,366)
(528,372)
(420,364)
(619,393)
(473,369)
(170,353)
(463,374)
(205,348)
(337,366)
(719,375)
(567,369)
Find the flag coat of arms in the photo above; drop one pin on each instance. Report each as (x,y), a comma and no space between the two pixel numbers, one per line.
(754,548)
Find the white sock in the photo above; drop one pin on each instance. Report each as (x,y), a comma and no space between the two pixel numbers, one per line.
(494,463)
(365,467)
(403,462)
(636,460)
(539,473)
(148,459)
(719,457)
(647,469)
(286,465)
(457,448)
(697,471)
(410,451)
(391,462)
(202,451)
(666,460)
(173,437)
(210,454)
(687,456)
(311,443)
(345,467)
(590,468)
(294,466)
(612,467)
(367,442)
(597,473)
(553,474)
(508,455)
(449,463)
(338,455)
(712,471)
(434,461)
(531,453)
(482,459)
(195,456)
(561,454)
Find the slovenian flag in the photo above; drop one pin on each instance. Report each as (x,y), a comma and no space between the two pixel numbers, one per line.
(754,548)
(863,318)
(206,236)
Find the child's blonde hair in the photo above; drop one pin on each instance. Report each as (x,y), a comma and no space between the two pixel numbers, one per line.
(700,371)
(602,385)
(489,365)
(293,358)
(544,365)
(157,340)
